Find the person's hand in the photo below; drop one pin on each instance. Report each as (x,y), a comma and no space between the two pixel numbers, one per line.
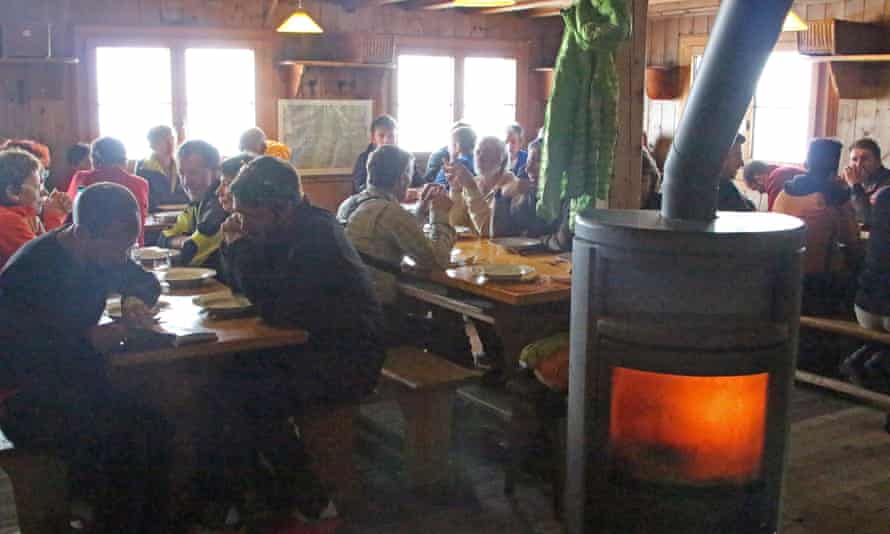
(853,175)
(413,194)
(233,228)
(440,201)
(58,201)
(178,241)
(137,314)
(459,174)
(108,338)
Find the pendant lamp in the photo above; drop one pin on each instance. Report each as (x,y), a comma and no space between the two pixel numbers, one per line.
(299,22)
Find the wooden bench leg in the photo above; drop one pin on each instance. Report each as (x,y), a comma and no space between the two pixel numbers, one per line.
(41,493)
(329,437)
(427,435)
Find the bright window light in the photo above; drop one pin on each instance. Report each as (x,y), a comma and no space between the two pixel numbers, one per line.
(490,94)
(220,95)
(134,94)
(781,109)
(425,101)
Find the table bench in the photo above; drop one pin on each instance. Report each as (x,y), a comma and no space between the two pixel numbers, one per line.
(852,329)
(40,486)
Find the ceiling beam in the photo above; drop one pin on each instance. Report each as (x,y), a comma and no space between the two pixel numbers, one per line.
(528,5)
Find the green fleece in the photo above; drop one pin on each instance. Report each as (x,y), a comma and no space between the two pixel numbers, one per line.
(581,117)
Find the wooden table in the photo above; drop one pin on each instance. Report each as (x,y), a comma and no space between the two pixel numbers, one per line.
(153,224)
(520,312)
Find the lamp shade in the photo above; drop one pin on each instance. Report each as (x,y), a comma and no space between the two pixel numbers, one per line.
(793,23)
(484,3)
(299,22)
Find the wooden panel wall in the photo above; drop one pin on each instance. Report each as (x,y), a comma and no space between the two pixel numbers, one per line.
(38,101)
(856,118)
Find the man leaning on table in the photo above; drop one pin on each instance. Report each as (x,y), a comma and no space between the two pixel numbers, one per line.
(196,231)
(294,263)
(55,393)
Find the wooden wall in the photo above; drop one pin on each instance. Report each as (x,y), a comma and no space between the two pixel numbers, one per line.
(38,101)
(856,118)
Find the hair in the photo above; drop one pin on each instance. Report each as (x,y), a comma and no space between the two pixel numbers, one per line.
(384,122)
(459,124)
(159,133)
(824,156)
(250,137)
(465,137)
(108,151)
(76,152)
(386,165)
(38,150)
(268,179)
(517,129)
(867,143)
(754,169)
(232,166)
(104,208)
(16,165)
(501,146)
(209,154)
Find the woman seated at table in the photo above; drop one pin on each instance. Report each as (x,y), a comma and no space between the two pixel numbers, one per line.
(21,201)
(229,171)
(475,197)
(110,165)
(196,231)
(823,202)
(381,229)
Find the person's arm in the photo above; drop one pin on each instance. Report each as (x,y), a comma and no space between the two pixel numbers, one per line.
(431,253)
(206,238)
(170,238)
(860,202)
(131,280)
(433,166)
(360,172)
(479,210)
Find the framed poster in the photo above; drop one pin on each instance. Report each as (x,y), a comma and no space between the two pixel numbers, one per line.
(325,136)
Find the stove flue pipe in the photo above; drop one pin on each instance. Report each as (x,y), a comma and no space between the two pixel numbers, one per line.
(744,35)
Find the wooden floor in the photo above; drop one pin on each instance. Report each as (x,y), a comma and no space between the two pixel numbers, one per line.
(838,482)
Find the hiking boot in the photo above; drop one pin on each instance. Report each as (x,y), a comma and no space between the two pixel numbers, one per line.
(853,367)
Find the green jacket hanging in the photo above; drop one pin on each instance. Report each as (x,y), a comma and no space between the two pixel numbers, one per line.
(581,122)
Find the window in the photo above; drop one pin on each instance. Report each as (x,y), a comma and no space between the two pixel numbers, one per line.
(434,91)
(136,89)
(782,109)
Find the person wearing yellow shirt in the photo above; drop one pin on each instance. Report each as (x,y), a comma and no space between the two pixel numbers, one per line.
(254,140)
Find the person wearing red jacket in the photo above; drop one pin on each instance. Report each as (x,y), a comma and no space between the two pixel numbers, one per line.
(110,163)
(21,200)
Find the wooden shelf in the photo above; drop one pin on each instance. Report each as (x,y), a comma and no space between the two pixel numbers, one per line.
(336,64)
(851,58)
(50,60)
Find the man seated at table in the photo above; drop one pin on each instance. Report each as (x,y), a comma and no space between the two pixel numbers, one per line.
(380,228)
(866,175)
(56,395)
(159,170)
(254,140)
(463,142)
(518,157)
(770,179)
(196,231)
(295,264)
(383,132)
(729,198)
(437,158)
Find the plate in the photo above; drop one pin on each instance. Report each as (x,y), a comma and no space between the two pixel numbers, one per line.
(516,243)
(501,271)
(166,216)
(223,302)
(153,253)
(113,307)
(185,275)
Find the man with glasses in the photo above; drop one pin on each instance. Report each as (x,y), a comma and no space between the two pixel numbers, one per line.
(196,232)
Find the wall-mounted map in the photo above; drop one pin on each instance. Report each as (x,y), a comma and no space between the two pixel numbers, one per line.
(325,136)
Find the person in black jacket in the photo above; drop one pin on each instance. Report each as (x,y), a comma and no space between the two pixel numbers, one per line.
(56,396)
(383,132)
(866,175)
(729,198)
(160,171)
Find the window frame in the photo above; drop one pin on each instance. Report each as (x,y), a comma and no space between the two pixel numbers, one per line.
(459,49)
(88,39)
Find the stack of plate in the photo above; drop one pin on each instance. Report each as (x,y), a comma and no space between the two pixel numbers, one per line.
(223,304)
(185,276)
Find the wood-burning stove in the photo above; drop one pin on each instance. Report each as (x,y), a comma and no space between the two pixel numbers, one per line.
(684,338)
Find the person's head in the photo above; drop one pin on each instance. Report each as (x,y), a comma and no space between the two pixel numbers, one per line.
(515,138)
(162,141)
(383,131)
(253,140)
(229,170)
(533,165)
(266,194)
(824,157)
(866,155)
(463,140)
(390,169)
(106,223)
(108,152)
(38,150)
(491,156)
(78,157)
(755,174)
(199,167)
(733,160)
(20,178)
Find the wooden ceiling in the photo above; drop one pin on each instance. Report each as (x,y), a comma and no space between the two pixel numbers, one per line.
(550,8)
